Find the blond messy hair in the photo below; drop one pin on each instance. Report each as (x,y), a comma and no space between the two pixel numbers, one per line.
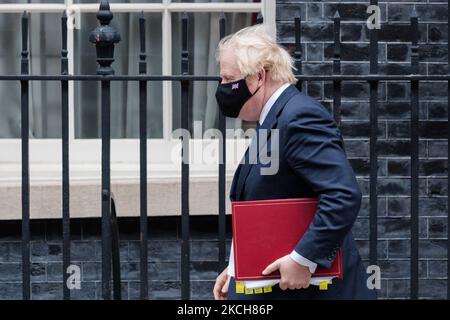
(255,49)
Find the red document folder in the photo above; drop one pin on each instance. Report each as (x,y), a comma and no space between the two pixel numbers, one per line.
(266,230)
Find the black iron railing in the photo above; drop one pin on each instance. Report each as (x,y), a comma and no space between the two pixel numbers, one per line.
(104,37)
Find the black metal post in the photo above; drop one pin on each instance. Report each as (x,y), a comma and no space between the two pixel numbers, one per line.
(65,158)
(298,50)
(185,247)
(222,171)
(337,68)
(115,248)
(259,18)
(143,161)
(373,236)
(448,157)
(414,131)
(104,37)
(24,88)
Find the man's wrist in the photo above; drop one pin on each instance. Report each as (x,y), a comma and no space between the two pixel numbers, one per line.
(303,261)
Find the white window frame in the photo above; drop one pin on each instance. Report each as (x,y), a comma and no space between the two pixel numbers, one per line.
(85,154)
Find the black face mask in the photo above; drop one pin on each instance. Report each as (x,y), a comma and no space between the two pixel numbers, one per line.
(232,96)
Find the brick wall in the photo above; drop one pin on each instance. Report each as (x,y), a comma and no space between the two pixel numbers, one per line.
(164,258)
(394,113)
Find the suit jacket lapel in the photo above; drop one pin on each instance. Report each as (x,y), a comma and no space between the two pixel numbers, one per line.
(269,123)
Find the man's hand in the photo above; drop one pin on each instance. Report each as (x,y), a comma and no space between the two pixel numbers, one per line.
(293,275)
(221,286)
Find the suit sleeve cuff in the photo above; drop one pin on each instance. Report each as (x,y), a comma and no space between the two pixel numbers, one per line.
(303,261)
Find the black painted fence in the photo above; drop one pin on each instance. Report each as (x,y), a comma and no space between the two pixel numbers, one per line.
(104,37)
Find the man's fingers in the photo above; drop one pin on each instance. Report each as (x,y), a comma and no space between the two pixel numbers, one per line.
(226,286)
(216,291)
(271,268)
(217,288)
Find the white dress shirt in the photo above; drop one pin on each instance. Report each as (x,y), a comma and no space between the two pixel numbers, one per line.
(294,255)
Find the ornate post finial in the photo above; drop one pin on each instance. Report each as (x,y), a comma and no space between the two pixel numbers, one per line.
(104,37)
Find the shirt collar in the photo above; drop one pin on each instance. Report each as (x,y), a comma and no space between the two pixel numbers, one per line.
(265,110)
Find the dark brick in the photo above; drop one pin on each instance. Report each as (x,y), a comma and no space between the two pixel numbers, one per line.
(398,288)
(437,68)
(43,251)
(432,249)
(365,207)
(353,32)
(158,250)
(87,292)
(356,68)
(437,110)
(349,51)
(394,186)
(314,52)
(10,272)
(362,166)
(352,110)
(10,252)
(437,32)
(164,270)
(437,187)
(317,69)
(427,129)
(400,268)
(432,289)
(400,68)
(123,288)
(350,90)
(433,52)
(54,271)
(314,89)
(426,167)
(10,291)
(433,90)
(310,32)
(437,269)
(360,229)
(364,247)
(287,12)
(157,290)
(202,290)
(398,52)
(395,32)
(46,291)
(204,270)
(92,271)
(437,228)
(437,149)
(398,228)
(359,129)
(357,148)
(84,250)
(38,272)
(315,12)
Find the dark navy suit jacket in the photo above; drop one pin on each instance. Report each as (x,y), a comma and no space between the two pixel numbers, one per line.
(312,163)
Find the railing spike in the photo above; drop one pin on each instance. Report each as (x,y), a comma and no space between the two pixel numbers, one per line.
(414,13)
(336,15)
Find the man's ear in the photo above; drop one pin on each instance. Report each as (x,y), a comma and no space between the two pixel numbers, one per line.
(262,74)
